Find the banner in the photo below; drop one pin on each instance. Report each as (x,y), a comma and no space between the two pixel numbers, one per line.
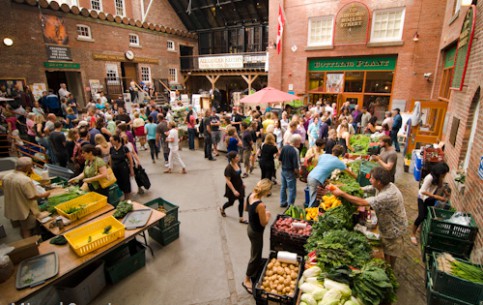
(281,23)
(53,30)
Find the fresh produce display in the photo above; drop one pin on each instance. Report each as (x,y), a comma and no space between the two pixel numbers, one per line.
(312,214)
(341,247)
(372,285)
(360,143)
(280,278)
(292,227)
(448,264)
(348,184)
(295,212)
(72,193)
(330,202)
(355,166)
(122,209)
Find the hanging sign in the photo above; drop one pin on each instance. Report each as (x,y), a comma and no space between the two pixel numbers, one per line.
(464,48)
(58,53)
(352,23)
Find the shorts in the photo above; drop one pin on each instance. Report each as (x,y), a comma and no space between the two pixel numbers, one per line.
(246,156)
(139,131)
(29,223)
(216,136)
(392,246)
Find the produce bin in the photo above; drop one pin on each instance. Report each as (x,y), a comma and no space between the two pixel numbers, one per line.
(115,195)
(82,287)
(87,204)
(438,224)
(59,181)
(364,173)
(436,298)
(439,243)
(282,241)
(165,236)
(453,286)
(263,297)
(92,236)
(124,261)
(171,211)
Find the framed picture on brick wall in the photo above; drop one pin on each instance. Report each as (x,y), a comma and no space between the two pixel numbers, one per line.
(454,130)
(7,86)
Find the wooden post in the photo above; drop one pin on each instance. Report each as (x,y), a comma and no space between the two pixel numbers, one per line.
(249,79)
(213,79)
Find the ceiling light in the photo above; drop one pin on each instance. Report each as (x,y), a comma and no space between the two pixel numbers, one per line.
(416,37)
(8,42)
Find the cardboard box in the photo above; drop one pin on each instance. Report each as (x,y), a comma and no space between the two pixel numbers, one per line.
(24,248)
(82,287)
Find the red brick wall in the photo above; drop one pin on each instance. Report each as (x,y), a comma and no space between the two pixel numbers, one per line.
(25,58)
(414,58)
(462,106)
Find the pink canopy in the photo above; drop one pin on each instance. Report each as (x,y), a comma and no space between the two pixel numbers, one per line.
(268,95)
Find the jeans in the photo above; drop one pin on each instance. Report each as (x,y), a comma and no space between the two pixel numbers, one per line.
(153,149)
(289,182)
(256,249)
(208,146)
(313,184)
(191,138)
(394,140)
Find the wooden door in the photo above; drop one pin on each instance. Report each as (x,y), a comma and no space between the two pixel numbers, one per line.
(354,99)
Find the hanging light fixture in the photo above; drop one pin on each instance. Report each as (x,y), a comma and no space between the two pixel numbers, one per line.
(466,2)
(416,37)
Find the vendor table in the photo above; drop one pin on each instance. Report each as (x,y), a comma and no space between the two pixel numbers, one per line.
(69,261)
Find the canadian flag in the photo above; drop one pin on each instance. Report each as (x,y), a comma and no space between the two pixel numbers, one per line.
(281,23)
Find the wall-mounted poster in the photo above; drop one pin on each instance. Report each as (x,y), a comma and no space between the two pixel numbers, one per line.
(54,30)
(7,86)
(334,82)
(37,89)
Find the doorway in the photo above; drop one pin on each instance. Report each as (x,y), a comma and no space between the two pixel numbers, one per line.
(353,99)
(73,81)
(186,57)
(129,72)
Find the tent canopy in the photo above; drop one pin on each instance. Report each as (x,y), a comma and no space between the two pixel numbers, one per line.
(268,95)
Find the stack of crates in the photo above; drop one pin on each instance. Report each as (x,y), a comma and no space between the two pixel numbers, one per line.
(438,234)
(365,172)
(167,229)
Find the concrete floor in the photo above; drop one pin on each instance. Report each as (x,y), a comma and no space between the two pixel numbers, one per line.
(206,265)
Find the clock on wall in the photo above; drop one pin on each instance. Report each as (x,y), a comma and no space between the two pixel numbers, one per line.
(129,55)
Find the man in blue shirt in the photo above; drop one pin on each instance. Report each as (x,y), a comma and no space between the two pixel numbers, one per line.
(52,103)
(396,125)
(290,160)
(325,166)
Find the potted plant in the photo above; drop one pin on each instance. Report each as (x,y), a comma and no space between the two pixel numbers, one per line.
(407,162)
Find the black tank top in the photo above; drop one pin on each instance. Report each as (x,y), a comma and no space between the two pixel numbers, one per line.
(253,217)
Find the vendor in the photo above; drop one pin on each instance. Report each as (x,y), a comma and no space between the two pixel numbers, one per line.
(325,166)
(388,157)
(388,203)
(21,197)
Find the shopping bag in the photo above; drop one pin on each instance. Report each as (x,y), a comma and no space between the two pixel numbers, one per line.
(141,177)
(109,180)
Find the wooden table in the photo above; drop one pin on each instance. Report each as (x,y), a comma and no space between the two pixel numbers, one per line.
(69,261)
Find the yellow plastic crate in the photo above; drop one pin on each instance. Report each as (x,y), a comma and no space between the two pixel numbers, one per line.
(87,204)
(90,237)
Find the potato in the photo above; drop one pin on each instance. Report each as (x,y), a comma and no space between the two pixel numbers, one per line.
(287,270)
(292,286)
(286,282)
(270,266)
(277,264)
(293,275)
(273,291)
(273,286)
(291,266)
(280,287)
(269,273)
(284,265)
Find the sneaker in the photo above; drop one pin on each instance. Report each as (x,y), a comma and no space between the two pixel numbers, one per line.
(212,159)
(140,191)
(166,164)
(284,205)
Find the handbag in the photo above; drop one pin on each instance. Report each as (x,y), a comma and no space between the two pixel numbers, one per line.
(141,177)
(109,180)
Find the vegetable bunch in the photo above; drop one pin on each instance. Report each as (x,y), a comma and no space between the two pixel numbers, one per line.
(295,212)
(360,143)
(466,271)
(122,209)
(330,202)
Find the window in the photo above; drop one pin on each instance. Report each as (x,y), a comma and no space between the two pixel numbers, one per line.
(320,31)
(456,7)
(145,74)
(171,46)
(68,2)
(120,8)
(84,32)
(133,40)
(173,75)
(387,25)
(112,75)
(96,5)
(448,71)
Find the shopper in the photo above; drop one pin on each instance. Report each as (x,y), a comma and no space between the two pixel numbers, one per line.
(215,131)
(427,195)
(94,169)
(207,135)
(232,140)
(21,197)
(104,147)
(57,143)
(122,165)
(388,202)
(396,125)
(173,142)
(313,130)
(138,126)
(234,187)
(290,160)
(191,122)
(150,130)
(268,152)
(161,131)
(388,157)
(247,147)
(343,137)
(258,217)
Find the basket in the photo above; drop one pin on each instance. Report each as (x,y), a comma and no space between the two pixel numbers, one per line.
(262,297)
(87,203)
(171,217)
(438,224)
(165,236)
(453,286)
(436,298)
(90,237)
(281,241)
(439,243)
(124,261)
(433,155)
(364,172)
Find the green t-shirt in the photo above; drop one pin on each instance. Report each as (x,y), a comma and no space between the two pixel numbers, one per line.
(91,169)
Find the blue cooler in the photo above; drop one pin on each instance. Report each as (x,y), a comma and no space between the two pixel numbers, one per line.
(417,174)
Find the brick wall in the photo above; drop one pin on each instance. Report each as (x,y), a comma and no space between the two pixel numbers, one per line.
(25,58)
(462,106)
(414,58)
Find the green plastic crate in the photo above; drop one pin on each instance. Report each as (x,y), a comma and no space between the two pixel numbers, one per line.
(171,217)
(439,243)
(121,263)
(165,236)
(453,286)
(437,298)
(438,224)
(364,172)
(115,195)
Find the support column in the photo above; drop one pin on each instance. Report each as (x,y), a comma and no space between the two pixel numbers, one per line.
(249,78)
(213,79)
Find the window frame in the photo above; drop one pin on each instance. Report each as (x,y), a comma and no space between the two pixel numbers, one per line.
(173,48)
(100,5)
(149,74)
(309,31)
(138,44)
(68,2)
(456,7)
(116,70)
(401,31)
(123,8)
(175,81)
(84,38)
